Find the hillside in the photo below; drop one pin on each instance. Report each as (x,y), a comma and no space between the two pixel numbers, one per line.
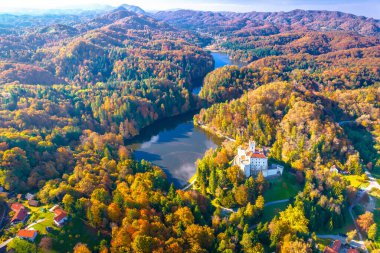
(269,23)
(83,94)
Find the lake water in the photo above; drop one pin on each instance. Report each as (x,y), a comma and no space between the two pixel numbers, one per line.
(175,144)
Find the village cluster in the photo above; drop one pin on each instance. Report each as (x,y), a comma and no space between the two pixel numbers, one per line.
(22,214)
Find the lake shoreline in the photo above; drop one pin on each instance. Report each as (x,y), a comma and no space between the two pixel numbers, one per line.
(176,143)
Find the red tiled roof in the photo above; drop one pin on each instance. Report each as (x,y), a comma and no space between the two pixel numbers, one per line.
(336,246)
(256,155)
(25,233)
(353,251)
(329,250)
(59,215)
(58,211)
(17,207)
(20,215)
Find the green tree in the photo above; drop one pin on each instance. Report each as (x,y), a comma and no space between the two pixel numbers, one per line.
(143,244)
(372,232)
(68,202)
(291,222)
(21,246)
(213,181)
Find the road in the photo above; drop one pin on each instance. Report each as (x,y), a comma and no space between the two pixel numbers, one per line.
(276,202)
(6,243)
(353,243)
(345,122)
(28,227)
(189,185)
(373,184)
(35,223)
(234,210)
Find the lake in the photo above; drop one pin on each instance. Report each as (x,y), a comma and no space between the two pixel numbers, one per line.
(175,144)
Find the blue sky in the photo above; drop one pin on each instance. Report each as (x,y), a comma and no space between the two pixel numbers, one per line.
(369,8)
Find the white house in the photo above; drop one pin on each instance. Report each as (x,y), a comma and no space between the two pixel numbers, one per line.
(252,160)
(29,196)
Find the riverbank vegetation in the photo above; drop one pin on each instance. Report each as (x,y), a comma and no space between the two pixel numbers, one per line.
(72,94)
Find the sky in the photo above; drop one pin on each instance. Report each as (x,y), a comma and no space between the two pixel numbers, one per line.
(369,8)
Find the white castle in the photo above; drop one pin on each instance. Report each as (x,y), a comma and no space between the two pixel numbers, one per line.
(252,160)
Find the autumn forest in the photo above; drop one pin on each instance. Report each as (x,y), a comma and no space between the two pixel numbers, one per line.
(76,88)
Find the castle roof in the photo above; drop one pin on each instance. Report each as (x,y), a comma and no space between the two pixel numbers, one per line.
(256,155)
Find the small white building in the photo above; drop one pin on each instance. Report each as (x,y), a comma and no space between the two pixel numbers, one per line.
(29,196)
(252,160)
(334,169)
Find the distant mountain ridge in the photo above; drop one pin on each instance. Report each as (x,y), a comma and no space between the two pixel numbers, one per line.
(272,22)
(131,8)
(94,9)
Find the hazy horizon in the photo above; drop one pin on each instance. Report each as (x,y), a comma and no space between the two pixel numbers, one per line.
(368,8)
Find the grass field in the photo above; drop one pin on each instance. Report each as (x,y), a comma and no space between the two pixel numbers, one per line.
(348,226)
(65,238)
(323,243)
(73,232)
(282,188)
(271,211)
(357,181)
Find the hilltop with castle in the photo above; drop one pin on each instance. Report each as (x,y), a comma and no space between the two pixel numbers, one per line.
(252,160)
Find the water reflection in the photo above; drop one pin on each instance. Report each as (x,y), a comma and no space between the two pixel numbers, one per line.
(175,144)
(221,59)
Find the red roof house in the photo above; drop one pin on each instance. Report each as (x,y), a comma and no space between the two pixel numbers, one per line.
(334,248)
(60,217)
(20,213)
(17,207)
(27,234)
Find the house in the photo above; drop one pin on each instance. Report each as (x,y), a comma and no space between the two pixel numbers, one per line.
(353,251)
(60,217)
(27,234)
(29,196)
(334,169)
(334,248)
(20,213)
(252,161)
(33,203)
(17,207)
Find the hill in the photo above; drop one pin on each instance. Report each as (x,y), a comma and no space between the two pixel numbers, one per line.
(269,23)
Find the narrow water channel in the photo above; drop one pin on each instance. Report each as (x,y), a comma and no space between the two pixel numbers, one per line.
(175,144)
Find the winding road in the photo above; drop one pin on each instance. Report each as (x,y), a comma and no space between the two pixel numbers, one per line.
(234,210)
(373,184)
(4,244)
(276,202)
(346,122)
(189,185)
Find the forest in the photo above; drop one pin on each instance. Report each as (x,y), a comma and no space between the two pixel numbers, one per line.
(75,88)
